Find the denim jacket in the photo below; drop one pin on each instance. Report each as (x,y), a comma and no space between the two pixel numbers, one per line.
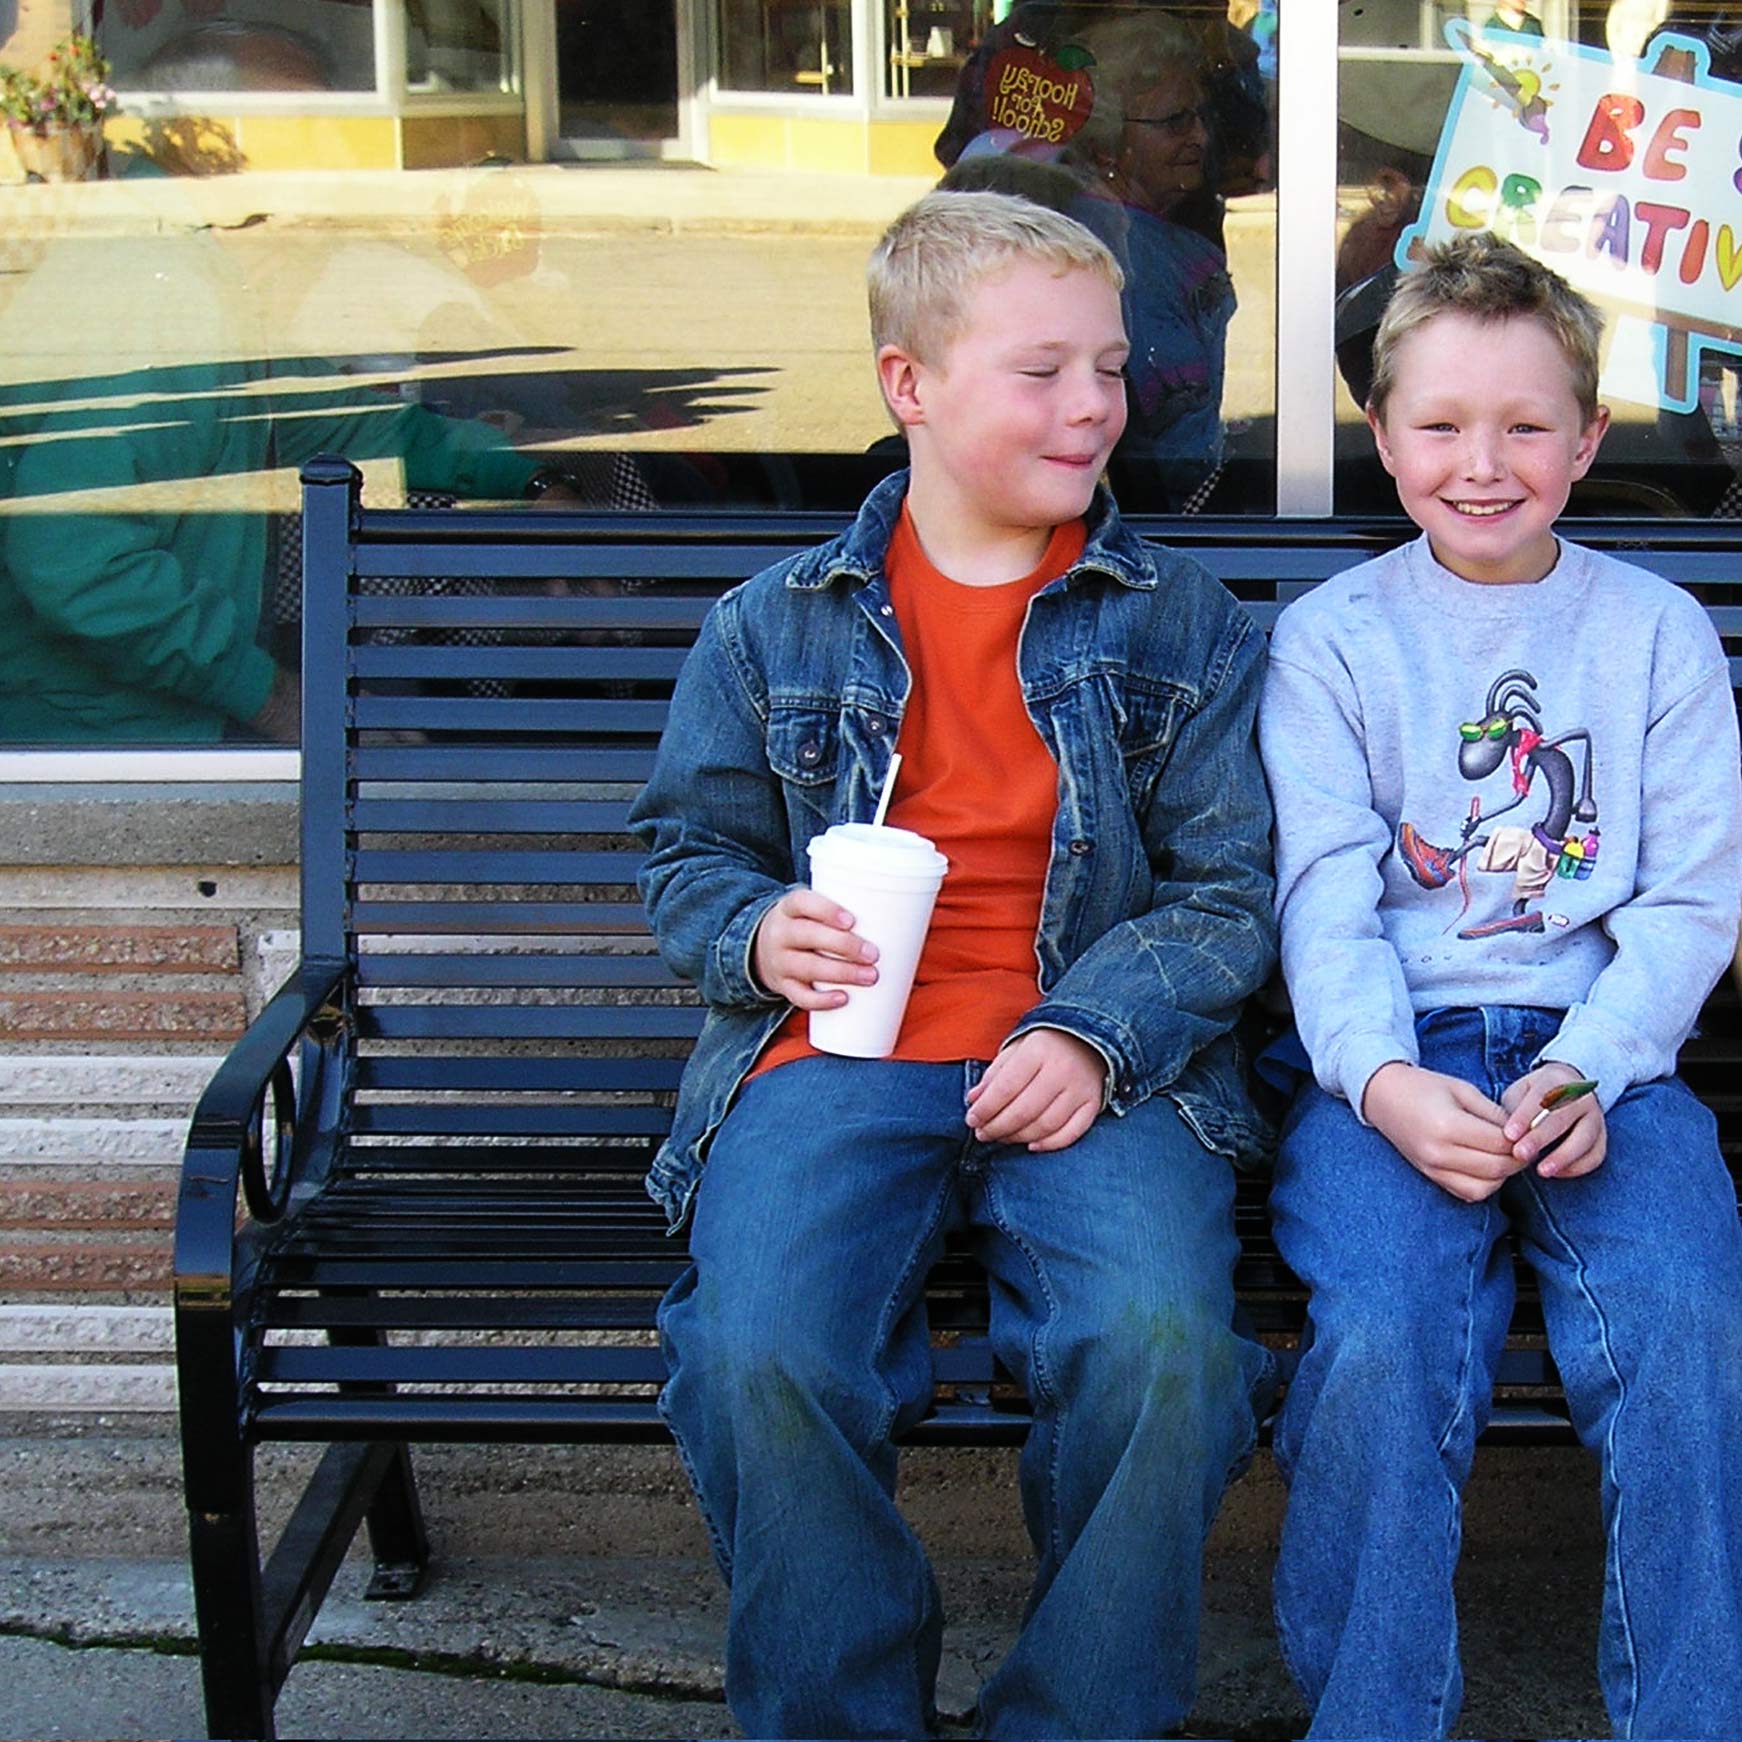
(1141,674)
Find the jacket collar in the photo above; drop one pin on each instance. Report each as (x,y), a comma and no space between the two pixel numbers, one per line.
(857,555)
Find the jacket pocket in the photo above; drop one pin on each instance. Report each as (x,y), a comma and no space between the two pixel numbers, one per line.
(1149,721)
(804,745)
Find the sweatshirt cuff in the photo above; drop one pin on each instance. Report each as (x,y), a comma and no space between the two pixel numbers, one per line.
(1357,1061)
(1582,1045)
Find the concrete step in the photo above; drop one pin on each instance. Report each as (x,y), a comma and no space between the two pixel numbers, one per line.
(131,1080)
(47,1388)
(86,1360)
(124,1143)
(93,1330)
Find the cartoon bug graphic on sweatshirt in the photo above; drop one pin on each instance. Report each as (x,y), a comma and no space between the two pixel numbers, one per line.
(1562,843)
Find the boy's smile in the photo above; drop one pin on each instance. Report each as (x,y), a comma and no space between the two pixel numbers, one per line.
(1484,435)
(1011,425)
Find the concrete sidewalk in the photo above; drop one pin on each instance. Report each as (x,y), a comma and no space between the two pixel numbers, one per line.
(571,1595)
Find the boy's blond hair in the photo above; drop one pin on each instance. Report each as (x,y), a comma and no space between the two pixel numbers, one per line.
(931,258)
(1492,280)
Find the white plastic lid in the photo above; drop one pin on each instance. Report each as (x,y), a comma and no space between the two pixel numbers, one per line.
(874,847)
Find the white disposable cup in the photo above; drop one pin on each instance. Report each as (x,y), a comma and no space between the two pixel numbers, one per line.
(888,880)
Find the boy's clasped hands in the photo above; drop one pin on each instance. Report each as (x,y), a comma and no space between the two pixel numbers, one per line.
(1470,1146)
(1043,1089)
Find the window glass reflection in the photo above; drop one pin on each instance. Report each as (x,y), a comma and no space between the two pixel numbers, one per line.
(494,335)
(786,45)
(929,42)
(240,45)
(1144,122)
(1600,138)
(462,47)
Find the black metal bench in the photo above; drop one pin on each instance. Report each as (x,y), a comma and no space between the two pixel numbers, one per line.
(411,1207)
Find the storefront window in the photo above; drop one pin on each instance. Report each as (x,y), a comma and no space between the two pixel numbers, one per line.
(929,42)
(457,48)
(240,45)
(1599,138)
(178,336)
(786,45)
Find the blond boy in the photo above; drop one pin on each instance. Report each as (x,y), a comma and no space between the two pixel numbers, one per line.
(1509,826)
(1074,710)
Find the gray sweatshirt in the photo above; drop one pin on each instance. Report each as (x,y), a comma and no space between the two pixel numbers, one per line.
(1524,795)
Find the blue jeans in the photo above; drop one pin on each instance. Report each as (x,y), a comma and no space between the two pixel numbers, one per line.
(1640,1265)
(798,1348)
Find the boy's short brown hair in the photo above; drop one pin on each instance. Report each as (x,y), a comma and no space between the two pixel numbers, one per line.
(929,260)
(1492,280)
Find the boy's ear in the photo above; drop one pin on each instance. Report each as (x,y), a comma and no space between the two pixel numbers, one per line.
(899,375)
(1589,441)
(1376,423)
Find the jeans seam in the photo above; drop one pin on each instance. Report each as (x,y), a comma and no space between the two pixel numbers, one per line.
(1460,1406)
(722,1550)
(1612,1549)
(892,1403)
(1040,1380)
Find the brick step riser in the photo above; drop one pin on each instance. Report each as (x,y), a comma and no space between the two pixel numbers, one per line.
(119,949)
(37,1203)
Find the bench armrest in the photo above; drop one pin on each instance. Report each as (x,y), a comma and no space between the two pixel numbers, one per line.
(226,1141)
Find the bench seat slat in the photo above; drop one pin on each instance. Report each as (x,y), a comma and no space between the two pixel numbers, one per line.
(509,815)
(501,762)
(566,665)
(504,866)
(520,715)
(482,918)
(529,1022)
(571,563)
(579,1165)
(522,970)
(509,1121)
(486,1074)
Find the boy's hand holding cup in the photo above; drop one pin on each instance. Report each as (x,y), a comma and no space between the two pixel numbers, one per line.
(846,948)
(807,951)
(888,880)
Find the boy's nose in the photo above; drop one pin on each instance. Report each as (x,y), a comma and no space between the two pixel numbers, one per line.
(1094,400)
(1481,457)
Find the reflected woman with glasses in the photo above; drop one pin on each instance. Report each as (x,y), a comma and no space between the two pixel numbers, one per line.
(1145,155)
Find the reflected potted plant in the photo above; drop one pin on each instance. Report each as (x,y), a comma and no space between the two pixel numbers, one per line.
(55,117)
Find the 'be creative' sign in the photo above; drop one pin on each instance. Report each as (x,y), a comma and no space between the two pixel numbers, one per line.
(1627,182)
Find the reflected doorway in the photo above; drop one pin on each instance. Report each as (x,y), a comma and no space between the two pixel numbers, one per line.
(617,76)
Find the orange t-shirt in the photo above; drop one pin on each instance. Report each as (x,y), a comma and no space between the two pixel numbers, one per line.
(977,780)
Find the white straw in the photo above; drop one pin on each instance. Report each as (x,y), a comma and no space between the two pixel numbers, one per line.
(888,789)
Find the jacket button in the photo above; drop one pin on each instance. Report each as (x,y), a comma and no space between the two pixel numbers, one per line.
(874,725)
(1125,1091)
(1080,847)
(887,611)
(810,754)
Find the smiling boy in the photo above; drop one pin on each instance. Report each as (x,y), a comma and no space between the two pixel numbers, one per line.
(1074,709)
(1509,832)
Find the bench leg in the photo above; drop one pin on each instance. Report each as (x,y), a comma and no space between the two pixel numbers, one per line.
(224,1552)
(396,1534)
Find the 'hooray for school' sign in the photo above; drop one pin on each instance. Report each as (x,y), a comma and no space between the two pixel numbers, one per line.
(1627,182)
